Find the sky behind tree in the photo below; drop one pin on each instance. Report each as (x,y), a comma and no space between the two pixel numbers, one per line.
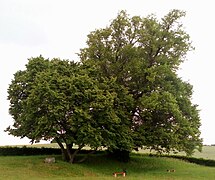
(59,28)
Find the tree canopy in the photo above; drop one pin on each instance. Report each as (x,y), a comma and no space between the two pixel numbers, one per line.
(124,94)
(144,54)
(57,99)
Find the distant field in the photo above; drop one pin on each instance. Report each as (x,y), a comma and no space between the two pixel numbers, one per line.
(208,152)
(100,167)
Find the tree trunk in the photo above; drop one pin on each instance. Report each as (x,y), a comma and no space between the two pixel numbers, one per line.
(65,156)
(67,153)
(72,157)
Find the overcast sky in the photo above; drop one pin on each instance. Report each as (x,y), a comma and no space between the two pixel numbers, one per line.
(59,28)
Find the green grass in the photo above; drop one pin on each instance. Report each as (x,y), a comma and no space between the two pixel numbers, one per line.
(101,167)
(208,152)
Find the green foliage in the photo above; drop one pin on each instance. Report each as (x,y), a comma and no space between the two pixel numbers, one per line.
(124,93)
(144,54)
(27,151)
(31,151)
(57,99)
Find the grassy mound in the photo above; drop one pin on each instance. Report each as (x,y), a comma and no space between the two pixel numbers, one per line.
(101,167)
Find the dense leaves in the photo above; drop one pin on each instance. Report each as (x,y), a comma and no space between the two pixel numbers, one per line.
(55,99)
(144,54)
(124,94)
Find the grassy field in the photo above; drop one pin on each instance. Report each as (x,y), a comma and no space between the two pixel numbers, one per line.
(101,167)
(208,152)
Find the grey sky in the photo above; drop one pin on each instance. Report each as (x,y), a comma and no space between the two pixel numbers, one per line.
(59,28)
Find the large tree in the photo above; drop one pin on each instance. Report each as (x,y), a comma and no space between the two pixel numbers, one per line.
(124,94)
(144,54)
(57,99)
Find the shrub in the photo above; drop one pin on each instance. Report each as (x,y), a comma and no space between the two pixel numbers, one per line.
(21,151)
